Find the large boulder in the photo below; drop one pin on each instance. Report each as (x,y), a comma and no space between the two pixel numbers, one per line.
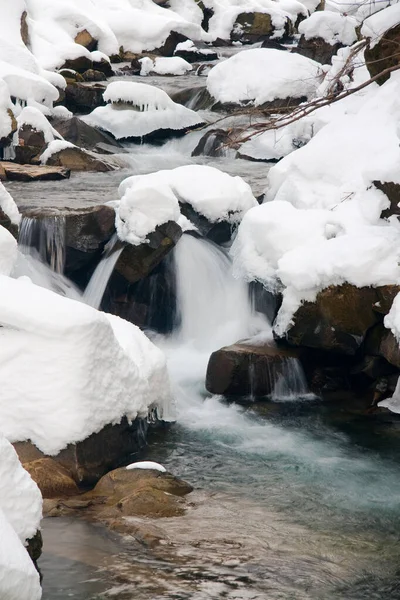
(255,26)
(317,49)
(337,321)
(246,369)
(52,479)
(83,135)
(83,97)
(77,159)
(383,54)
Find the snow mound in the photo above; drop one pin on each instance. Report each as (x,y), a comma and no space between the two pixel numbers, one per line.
(138,109)
(35,118)
(377,24)
(20,515)
(262,75)
(211,192)
(67,370)
(165,66)
(321,223)
(147,464)
(332,27)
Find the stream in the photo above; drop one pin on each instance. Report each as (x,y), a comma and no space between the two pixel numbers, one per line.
(294,499)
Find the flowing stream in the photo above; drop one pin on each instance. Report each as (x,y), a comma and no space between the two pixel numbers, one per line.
(295,499)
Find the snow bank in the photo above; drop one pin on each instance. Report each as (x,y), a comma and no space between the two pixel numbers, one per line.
(144,109)
(332,27)
(320,224)
(377,24)
(20,515)
(165,66)
(212,193)
(262,75)
(67,370)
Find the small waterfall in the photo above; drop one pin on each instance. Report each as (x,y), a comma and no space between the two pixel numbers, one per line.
(44,237)
(290,382)
(96,287)
(42,255)
(213,307)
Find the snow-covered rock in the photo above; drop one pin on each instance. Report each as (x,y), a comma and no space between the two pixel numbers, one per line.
(67,370)
(20,515)
(173,65)
(136,110)
(263,75)
(331,27)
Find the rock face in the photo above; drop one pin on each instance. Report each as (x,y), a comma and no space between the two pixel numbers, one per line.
(246,370)
(317,49)
(337,321)
(83,135)
(386,53)
(77,159)
(82,97)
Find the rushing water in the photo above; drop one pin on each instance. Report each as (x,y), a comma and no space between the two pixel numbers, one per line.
(294,500)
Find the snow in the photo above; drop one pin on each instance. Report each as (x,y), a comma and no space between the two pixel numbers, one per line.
(53,352)
(392,322)
(377,24)
(27,86)
(165,66)
(142,209)
(332,27)
(53,148)
(20,515)
(8,251)
(36,119)
(211,192)
(156,111)
(284,75)
(8,206)
(320,224)
(147,464)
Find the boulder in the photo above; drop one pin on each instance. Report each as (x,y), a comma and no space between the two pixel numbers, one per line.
(215,143)
(52,478)
(196,98)
(84,38)
(31,144)
(102,66)
(255,26)
(389,348)
(197,54)
(77,159)
(384,54)
(245,369)
(317,49)
(392,191)
(168,48)
(80,64)
(220,233)
(15,172)
(83,97)
(337,321)
(83,135)
(93,75)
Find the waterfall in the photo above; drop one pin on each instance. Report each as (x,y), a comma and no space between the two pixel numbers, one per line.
(290,382)
(42,255)
(213,307)
(96,287)
(46,238)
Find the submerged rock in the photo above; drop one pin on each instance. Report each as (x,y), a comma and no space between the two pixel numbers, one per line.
(246,369)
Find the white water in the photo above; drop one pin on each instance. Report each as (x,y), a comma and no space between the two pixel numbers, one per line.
(45,237)
(96,287)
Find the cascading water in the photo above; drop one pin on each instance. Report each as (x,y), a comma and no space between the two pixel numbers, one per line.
(96,287)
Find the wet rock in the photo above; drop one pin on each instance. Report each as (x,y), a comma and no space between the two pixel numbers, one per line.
(34,548)
(244,369)
(274,45)
(80,64)
(337,321)
(384,54)
(77,159)
(282,105)
(70,75)
(197,54)
(386,294)
(220,232)
(389,348)
(141,492)
(83,98)
(93,75)
(168,48)
(52,479)
(102,66)
(31,144)
(317,49)
(83,135)
(214,143)
(136,262)
(84,38)
(146,533)
(196,98)
(16,172)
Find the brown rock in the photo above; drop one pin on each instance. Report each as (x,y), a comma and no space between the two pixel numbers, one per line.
(245,369)
(317,49)
(83,97)
(52,479)
(337,321)
(386,295)
(384,54)
(15,172)
(24,28)
(93,75)
(80,64)
(392,191)
(77,159)
(84,38)
(150,502)
(389,348)
(83,135)
(145,533)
